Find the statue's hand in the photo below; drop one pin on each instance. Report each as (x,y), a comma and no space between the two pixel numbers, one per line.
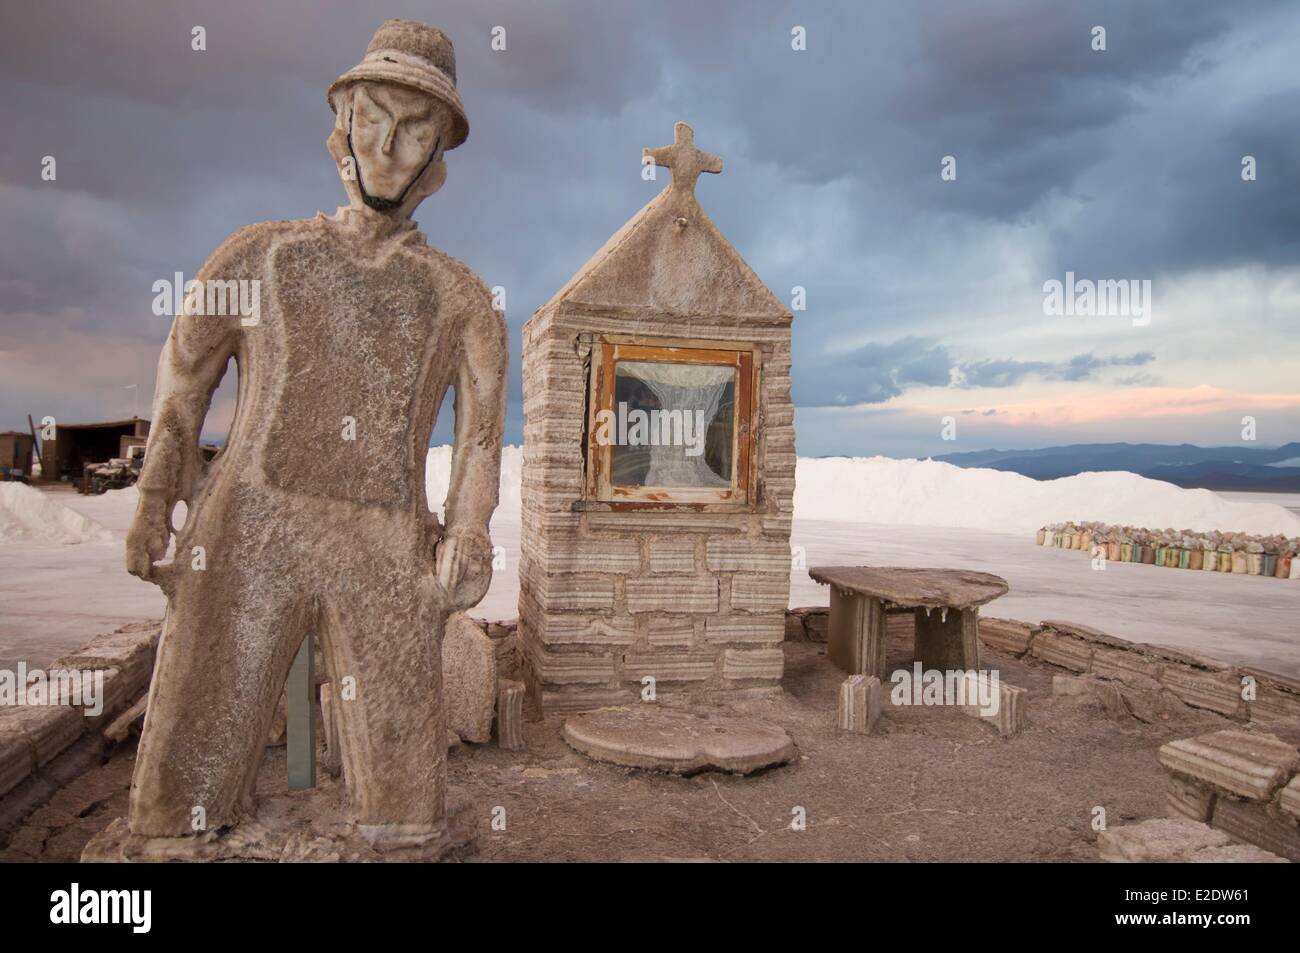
(463,567)
(146,541)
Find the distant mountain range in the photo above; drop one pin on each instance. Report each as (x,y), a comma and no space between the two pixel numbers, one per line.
(1214,468)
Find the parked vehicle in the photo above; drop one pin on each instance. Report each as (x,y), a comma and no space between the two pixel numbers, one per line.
(116,474)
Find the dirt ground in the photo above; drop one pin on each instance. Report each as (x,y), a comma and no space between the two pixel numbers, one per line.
(931,784)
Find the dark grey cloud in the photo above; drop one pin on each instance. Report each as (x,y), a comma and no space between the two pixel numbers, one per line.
(873,373)
(832,160)
(876,373)
(1080,367)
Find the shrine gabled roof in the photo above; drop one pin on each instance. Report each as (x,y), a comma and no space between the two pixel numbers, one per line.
(671,258)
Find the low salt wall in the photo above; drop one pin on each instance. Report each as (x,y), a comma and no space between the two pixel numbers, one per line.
(1240,692)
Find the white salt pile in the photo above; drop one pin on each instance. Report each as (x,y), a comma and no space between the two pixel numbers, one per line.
(29,514)
(929,493)
(437,477)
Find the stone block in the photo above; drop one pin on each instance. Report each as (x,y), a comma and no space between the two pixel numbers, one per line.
(510,715)
(582,668)
(817,623)
(1289,799)
(1218,691)
(744,664)
(672,594)
(1160,840)
(120,728)
(587,699)
(585,630)
(1273,704)
(748,555)
(469,679)
(859,703)
(1106,693)
(553,477)
(1009,715)
(575,592)
(46,730)
(104,689)
(1129,666)
(670,631)
(1086,634)
(1236,854)
(1277,696)
(1063,650)
(1070,685)
(1258,824)
(765,628)
(1190,799)
(621,556)
(672,555)
(130,650)
(640,521)
(1233,762)
(668,667)
(777,526)
(16,761)
(507,653)
(1169,653)
(760,593)
(1006,635)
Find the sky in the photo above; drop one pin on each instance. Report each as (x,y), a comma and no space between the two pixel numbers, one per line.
(925,313)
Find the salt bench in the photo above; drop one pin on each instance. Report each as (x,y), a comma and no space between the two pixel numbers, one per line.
(945,602)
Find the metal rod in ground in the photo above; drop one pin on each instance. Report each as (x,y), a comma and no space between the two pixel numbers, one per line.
(301,727)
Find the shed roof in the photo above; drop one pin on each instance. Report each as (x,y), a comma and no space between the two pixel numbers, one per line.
(105,423)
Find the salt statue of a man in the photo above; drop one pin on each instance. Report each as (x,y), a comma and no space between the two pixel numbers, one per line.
(313,517)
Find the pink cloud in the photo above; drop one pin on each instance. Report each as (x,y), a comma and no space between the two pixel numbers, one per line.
(1097,406)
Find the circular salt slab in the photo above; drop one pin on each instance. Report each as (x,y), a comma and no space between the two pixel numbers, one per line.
(678,741)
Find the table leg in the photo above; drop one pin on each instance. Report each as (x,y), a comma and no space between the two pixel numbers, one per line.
(948,644)
(856,642)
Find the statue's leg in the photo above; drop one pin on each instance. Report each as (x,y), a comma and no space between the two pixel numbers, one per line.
(382,646)
(222,662)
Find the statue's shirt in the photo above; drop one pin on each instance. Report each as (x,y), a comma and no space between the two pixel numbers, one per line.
(346,352)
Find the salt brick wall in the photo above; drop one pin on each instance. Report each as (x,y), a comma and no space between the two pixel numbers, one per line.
(695,600)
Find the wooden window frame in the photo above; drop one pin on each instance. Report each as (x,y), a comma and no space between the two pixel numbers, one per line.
(601,494)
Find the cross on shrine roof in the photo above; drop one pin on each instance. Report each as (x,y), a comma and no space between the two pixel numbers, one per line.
(684,159)
(670,259)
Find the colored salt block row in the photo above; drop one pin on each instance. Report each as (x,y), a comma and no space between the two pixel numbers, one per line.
(1275,557)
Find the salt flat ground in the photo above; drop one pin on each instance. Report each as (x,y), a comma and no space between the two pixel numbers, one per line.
(55,597)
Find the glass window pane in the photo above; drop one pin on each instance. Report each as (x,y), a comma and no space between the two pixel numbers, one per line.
(672,425)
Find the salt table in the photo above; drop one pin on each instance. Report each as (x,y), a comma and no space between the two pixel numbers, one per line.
(945,603)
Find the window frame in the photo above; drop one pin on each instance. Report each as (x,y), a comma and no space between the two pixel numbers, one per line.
(602,494)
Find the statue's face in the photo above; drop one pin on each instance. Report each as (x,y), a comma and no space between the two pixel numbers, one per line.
(395,132)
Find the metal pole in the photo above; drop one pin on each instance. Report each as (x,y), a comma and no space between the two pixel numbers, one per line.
(301,726)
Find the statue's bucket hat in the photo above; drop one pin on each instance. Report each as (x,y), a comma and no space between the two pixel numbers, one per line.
(417,56)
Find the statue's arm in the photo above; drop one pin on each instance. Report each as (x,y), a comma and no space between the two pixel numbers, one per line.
(193,361)
(464,556)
